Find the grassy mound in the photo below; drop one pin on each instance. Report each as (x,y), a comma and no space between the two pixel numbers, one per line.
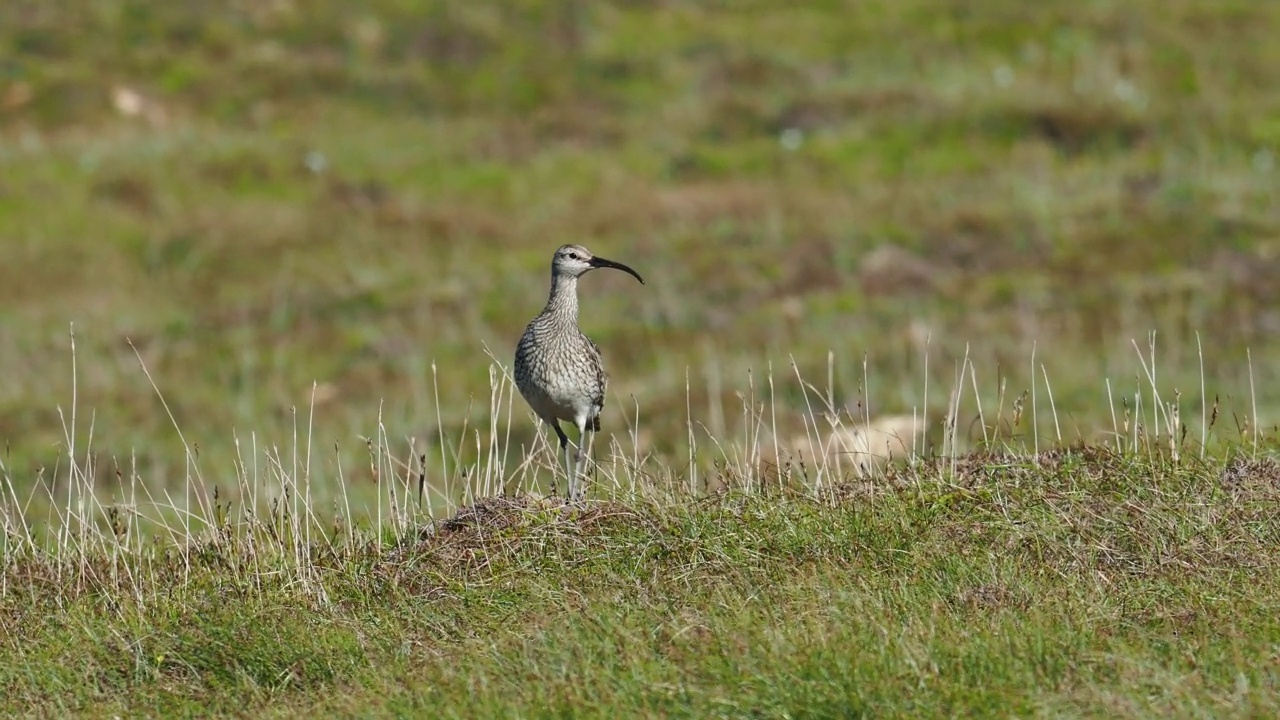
(1081,581)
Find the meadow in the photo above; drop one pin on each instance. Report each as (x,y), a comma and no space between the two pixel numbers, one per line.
(264,266)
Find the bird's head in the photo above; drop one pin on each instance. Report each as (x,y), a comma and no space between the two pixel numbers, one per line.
(575,261)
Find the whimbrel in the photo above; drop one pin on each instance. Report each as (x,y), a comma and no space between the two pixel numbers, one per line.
(558,369)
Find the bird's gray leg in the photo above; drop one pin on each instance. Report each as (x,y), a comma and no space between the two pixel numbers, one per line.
(564,449)
(576,493)
(589,454)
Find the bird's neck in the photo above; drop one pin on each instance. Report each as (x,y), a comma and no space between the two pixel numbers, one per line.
(563,302)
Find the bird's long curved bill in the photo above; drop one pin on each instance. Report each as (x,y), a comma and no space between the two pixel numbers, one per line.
(598,262)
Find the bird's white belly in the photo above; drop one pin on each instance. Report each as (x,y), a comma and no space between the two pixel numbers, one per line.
(557,395)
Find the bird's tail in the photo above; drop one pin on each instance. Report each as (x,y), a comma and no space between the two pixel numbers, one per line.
(595,424)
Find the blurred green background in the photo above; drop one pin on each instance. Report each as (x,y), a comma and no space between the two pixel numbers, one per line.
(265,196)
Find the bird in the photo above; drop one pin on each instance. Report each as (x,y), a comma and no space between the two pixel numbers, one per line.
(559,370)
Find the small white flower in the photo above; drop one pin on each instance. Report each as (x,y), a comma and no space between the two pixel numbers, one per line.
(316,162)
(1003,75)
(791,139)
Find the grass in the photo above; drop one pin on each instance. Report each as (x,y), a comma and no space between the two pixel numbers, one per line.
(1081,581)
(264,267)
(349,195)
